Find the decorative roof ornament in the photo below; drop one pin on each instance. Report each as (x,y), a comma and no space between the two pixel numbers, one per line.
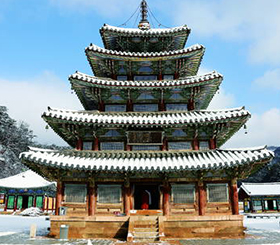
(144,23)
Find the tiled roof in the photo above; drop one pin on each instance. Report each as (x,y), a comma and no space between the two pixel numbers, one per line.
(261,189)
(133,55)
(137,31)
(163,119)
(166,161)
(27,179)
(106,82)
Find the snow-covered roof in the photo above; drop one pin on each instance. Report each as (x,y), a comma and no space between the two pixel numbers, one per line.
(136,55)
(25,180)
(261,189)
(137,31)
(169,161)
(150,119)
(106,82)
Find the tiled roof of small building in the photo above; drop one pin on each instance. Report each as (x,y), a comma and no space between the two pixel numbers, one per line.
(186,82)
(132,161)
(261,189)
(147,118)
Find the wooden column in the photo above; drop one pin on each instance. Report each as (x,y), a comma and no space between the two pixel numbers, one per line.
(166,199)
(190,105)
(212,143)
(234,197)
(101,106)
(59,191)
(161,105)
(96,144)
(129,105)
(195,144)
(79,145)
(53,200)
(201,198)
(6,202)
(91,199)
(160,77)
(127,204)
(48,199)
(164,145)
(128,147)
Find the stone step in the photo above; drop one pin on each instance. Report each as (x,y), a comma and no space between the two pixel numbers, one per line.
(146,241)
(145,234)
(144,229)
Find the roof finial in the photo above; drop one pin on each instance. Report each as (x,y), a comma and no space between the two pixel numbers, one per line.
(144,23)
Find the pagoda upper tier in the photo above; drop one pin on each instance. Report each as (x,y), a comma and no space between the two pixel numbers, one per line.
(194,92)
(139,40)
(193,126)
(115,64)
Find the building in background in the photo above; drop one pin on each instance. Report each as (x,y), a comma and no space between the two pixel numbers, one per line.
(260,197)
(146,143)
(26,190)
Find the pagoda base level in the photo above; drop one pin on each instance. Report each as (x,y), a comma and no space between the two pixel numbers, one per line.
(175,227)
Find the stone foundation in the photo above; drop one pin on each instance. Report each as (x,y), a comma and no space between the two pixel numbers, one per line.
(216,226)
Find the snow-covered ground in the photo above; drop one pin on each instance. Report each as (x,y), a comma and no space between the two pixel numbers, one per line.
(15,230)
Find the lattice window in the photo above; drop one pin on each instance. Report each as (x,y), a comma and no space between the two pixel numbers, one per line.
(146,95)
(176,94)
(145,148)
(257,205)
(122,78)
(145,107)
(75,193)
(145,78)
(112,133)
(168,77)
(176,107)
(203,145)
(87,145)
(109,193)
(113,146)
(39,201)
(183,193)
(180,145)
(217,192)
(116,97)
(179,132)
(11,200)
(115,107)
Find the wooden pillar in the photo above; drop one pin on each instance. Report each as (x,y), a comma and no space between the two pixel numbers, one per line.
(176,75)
(79,145)
(53,200)
(129,105)
(166,199)
(91,199)
(59,191)
(128,147)
(164,145)
(201,198)
(44,200)
(6,202)
(234,197)
(212,144)
(160,76)
(101,106)
(195,144)
(48,199)
(96,144)
(161,105)
(34,202)
(127,204)
(190,105)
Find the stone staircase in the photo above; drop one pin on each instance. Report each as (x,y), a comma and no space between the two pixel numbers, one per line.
(144,229)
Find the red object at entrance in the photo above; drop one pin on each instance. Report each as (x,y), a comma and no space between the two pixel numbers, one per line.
(145,199)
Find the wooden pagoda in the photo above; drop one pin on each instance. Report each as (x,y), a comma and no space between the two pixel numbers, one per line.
(147,162)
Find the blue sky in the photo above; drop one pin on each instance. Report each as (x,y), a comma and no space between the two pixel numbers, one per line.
(42,43)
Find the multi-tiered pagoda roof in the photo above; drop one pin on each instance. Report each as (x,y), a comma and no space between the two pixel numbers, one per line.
(145,80)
